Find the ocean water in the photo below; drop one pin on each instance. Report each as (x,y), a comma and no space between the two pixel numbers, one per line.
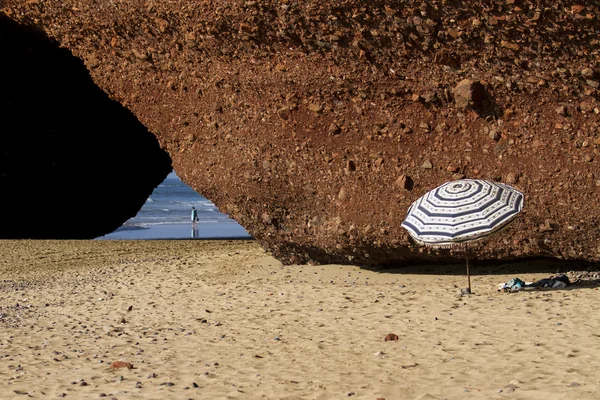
(166,214)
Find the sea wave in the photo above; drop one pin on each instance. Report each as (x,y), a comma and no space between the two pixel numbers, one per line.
(201,222)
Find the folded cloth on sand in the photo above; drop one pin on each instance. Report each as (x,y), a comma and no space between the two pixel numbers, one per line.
(554,282)
(511,286)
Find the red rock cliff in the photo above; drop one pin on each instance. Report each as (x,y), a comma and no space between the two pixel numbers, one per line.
(302,120)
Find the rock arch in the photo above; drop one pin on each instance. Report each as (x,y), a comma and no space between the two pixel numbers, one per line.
(73,162)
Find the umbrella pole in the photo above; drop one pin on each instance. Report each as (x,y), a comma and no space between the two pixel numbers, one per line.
(468,273)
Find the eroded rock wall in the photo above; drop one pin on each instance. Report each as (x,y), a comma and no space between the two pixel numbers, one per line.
(315,124)
(73,163)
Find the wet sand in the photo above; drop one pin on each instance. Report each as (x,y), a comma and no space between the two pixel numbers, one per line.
(224,320)
(205,230)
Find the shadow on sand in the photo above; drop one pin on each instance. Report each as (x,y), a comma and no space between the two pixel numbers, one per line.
(545,266)
(487,267)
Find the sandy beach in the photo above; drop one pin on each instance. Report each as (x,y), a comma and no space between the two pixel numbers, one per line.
(225,320)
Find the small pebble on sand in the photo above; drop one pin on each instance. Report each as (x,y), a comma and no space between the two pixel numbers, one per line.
(121,364)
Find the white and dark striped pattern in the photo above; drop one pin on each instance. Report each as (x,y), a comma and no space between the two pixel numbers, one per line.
(462,211)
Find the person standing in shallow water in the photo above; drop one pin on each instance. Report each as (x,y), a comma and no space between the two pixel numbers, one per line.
(194,217)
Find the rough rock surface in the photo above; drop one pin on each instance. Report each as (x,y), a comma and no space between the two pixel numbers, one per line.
(73,163)
(298,118)
(469,94)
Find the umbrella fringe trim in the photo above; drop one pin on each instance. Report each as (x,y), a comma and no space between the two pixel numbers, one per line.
(444,246)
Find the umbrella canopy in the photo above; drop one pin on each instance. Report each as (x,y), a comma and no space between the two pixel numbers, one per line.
(462,211)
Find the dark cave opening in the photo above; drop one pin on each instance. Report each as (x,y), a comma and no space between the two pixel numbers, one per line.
(74,164)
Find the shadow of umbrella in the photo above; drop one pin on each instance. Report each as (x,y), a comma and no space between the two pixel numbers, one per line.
(460,212)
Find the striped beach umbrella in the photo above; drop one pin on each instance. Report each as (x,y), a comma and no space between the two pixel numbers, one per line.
(462,211)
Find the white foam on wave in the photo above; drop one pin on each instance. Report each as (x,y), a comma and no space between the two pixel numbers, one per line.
(172,202)
(158,223)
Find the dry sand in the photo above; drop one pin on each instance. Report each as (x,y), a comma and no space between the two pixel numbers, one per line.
(214,320)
